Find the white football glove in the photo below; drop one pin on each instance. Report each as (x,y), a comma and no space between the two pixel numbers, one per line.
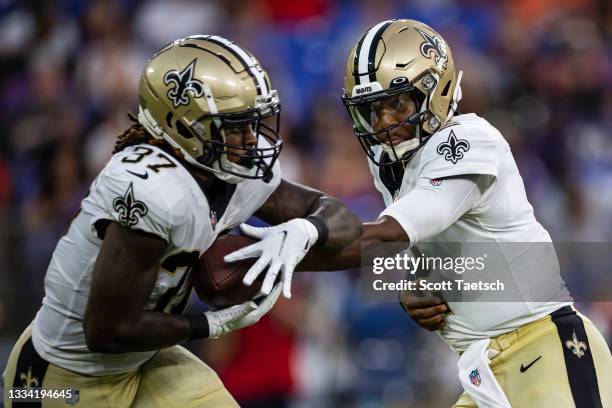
(281,248)
(223,321)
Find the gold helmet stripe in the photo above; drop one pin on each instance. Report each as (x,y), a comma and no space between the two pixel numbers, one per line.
(250,64)
(365,55)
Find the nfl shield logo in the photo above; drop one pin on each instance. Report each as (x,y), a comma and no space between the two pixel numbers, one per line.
(74,398)
(475,378)
(213,219)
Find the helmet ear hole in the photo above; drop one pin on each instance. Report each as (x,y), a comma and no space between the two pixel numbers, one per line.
(446,89)
(207,155)
(182,130)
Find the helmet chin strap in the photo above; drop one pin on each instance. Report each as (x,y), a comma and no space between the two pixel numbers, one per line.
(401,148)
(222,167)
(236,168)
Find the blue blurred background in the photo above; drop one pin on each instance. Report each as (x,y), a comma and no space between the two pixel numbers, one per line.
(539,70)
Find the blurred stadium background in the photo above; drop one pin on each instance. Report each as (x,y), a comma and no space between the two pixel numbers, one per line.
(540,70)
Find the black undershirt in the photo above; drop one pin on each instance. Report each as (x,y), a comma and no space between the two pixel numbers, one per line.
(391,175)
(217,192)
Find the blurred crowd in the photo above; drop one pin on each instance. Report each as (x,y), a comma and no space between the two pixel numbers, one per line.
(539,70)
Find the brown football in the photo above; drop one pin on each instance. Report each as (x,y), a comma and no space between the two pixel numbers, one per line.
(219,284)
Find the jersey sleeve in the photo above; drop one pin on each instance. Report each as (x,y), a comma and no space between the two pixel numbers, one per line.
(460,150)
(429,209)
(151,205)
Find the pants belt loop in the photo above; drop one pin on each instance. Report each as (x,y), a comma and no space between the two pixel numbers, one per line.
(508,339)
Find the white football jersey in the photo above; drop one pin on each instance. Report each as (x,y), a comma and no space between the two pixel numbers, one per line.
(469,145)
(146,189)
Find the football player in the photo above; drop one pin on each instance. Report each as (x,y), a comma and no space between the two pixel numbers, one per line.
(200,159)
(450,178)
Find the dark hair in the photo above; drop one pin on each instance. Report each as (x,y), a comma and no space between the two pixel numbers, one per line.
(137,134)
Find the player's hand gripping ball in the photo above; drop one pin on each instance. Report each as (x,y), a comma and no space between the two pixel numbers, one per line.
(219,283)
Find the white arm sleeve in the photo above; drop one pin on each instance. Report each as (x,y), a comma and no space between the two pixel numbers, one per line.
(429,209)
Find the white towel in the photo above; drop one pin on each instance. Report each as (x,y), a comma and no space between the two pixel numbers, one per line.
(477,378)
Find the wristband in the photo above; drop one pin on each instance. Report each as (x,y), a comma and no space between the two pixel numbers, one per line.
(198,326)
(321,229)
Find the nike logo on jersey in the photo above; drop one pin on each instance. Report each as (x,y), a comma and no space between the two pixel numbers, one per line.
(143,176)
(525,368)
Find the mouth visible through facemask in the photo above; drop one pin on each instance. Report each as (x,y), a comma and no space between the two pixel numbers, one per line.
(247,161)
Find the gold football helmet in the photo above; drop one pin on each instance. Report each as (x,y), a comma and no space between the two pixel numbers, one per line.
(195,89)
(399,63)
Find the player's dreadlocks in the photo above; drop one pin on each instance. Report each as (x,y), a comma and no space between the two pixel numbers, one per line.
(137,134)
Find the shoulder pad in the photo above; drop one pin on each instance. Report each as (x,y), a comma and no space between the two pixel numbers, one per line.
(156,203)
(461,149)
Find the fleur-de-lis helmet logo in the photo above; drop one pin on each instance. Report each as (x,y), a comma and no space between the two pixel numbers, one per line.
(434,44)
(453,148)
(129,208)
(182,83)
